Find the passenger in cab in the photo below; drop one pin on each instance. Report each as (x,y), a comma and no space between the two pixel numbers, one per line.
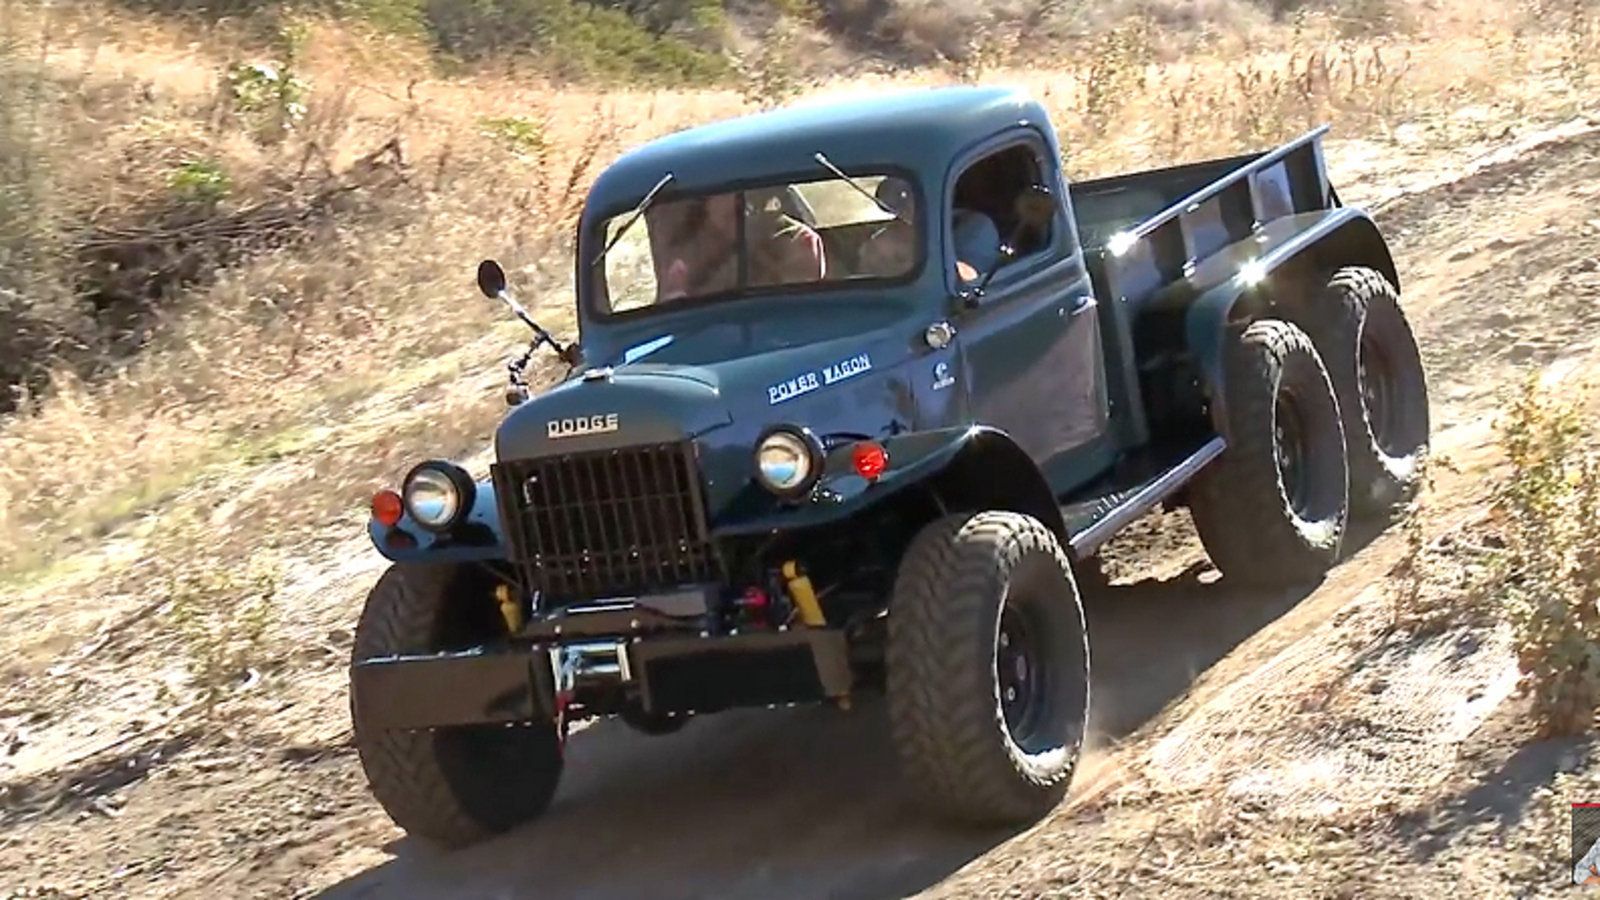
(784,248)
(701,246)
(698,252)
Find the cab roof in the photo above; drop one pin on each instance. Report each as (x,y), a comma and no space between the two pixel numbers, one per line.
(915,130)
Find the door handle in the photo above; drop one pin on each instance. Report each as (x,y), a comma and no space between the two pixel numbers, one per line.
(1076,307)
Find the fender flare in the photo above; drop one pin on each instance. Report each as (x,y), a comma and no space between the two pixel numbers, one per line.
(479,538)
(974,467)
(1338,237)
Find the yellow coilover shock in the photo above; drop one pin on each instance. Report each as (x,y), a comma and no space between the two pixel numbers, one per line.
(803,595)
(510,609)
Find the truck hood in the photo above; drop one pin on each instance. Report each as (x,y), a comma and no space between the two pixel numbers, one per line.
(830,385)
(605,408)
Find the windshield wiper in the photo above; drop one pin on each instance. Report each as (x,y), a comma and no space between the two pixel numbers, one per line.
(838,173)
(638,211)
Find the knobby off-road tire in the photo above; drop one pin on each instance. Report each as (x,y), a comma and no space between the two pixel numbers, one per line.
(977,742)
(1272,509)
(1372,358)
(450,786)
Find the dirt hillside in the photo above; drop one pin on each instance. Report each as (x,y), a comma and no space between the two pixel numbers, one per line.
(1264,744)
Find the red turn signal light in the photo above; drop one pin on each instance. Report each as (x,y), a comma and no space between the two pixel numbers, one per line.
(387,508)
(870,460)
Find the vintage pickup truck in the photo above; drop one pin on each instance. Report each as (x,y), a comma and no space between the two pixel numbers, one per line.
(857,387)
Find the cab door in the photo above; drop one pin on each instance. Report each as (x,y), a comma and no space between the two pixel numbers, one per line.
(1029,342)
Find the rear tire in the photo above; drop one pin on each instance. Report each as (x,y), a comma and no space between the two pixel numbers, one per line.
(451,786)
(988,668)
(1372,359)
(1272,509)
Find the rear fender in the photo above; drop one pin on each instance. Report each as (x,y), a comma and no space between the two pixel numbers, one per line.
(478,538)
(1247,280)
(962,468)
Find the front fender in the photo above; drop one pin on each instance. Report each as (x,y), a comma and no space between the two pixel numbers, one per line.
(478,538)
(968,468)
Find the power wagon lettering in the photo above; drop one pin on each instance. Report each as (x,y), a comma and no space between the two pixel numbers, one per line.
(810,381)
(850,368)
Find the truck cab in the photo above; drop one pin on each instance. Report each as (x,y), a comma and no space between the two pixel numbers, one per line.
(857,387)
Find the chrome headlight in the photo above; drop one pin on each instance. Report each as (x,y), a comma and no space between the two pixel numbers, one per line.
(788,461)
(438,494)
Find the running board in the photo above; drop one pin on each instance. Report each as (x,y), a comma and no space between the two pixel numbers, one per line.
(1093,522)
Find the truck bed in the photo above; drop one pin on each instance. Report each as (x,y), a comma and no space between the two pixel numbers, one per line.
(1168,233)
(1106,206)
(1139,202)
(1147,233)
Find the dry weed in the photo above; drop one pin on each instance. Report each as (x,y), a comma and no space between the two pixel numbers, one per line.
(221,617)
(1548,574)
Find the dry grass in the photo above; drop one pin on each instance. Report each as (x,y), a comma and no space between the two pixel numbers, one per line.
(300,332)
(1546,568)
(306,335)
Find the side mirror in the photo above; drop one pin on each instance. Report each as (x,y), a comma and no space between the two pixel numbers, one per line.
(491,279)
(1036,207)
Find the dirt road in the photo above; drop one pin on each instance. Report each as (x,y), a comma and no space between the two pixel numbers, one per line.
(802,802)
(1256,715)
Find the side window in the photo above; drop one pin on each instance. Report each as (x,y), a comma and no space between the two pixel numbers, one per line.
(987,230)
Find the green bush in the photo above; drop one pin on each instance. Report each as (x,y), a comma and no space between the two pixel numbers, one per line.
(572,40)
(519,134)
(221,617)
(700,18)
(1548,573)
(201,181)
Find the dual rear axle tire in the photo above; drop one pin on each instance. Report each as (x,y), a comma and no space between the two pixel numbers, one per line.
(1326,418)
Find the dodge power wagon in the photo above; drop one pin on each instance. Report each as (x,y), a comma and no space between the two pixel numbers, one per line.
(856,388)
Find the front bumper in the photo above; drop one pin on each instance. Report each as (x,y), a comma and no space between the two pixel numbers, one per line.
(662,674)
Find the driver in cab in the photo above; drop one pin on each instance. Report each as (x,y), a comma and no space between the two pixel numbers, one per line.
(701,249)
(891,249)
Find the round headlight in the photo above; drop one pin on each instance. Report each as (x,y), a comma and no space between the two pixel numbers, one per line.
(786,462)
(438,495)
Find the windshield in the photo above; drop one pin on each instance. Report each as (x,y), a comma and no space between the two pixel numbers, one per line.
(793,234)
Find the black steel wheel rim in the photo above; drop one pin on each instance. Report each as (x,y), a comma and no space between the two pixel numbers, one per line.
(1289,439)
(1021,673)
(1378,390)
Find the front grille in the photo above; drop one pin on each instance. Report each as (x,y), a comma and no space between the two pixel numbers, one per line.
(606,523)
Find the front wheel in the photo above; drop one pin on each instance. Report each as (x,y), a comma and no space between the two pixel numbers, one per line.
(988,667)
(457,785)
